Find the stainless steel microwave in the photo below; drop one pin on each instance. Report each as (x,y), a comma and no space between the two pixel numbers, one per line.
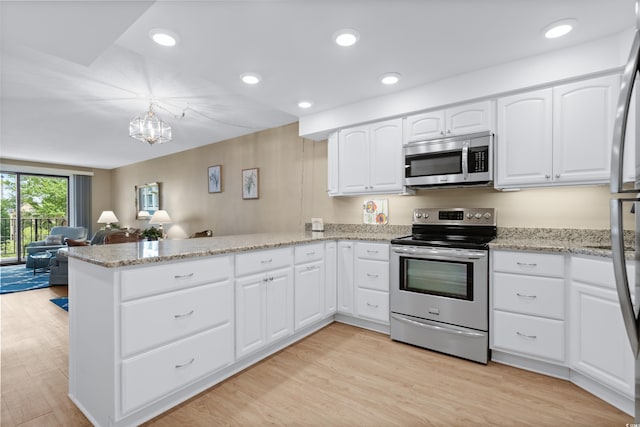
(458,160)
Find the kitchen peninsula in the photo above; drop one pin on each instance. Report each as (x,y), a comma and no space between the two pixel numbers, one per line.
(154,323)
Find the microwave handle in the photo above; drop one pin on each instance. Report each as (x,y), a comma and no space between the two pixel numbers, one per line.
(465,160)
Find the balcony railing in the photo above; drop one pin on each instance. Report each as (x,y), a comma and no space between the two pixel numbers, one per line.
(32,230)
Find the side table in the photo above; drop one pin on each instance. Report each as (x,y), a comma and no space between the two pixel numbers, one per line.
(40,260)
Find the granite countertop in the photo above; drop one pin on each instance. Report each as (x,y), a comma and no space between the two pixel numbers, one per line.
(575,241)
(128,254)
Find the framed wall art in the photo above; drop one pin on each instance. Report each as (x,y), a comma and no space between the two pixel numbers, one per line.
(250,183)
(215,179)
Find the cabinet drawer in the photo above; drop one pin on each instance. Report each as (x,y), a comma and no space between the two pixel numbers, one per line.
(309,253)
(256,262)
(377,251)
(372,274)
(529,335)
(599,272)
(161,278)
(158,320)
(540,296)
(152,375)
(373,305)
(529,263)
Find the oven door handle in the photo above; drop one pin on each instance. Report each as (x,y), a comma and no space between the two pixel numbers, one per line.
(440,253)
(438,328)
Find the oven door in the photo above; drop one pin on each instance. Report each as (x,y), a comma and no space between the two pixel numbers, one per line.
(441,284)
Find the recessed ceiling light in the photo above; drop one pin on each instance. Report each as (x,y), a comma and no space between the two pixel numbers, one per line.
(559,28)
(305,104)
(346,37)
(163,37)
(250,78)
(390,78)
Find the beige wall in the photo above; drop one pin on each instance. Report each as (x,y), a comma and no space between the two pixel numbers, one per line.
(293,182)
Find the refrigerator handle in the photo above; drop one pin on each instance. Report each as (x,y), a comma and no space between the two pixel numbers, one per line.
(622,113)
(622,281)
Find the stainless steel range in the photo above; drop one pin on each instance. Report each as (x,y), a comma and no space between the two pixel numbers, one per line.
(439,279)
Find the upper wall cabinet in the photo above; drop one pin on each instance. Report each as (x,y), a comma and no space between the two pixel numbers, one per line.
(460,120)
(369,159)
(557,136)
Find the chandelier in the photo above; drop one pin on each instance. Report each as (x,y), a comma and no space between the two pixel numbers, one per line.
(150,129)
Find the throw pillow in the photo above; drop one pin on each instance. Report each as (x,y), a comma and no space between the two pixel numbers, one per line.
(54,239)
(71,242)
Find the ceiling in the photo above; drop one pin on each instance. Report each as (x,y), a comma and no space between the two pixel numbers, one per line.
(74,73)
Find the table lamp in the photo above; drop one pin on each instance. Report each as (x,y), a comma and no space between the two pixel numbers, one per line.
(107,218)
(160,217)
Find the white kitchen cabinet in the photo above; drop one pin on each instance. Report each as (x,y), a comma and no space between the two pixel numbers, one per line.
(528,308)
(345,277)
(460,120)
(599,346)
(332,164)
(309,285)
(331,278)
(557,136)
(264,299)
(371,280)
(143,334)
(524,142)
(583,116)
(370,159)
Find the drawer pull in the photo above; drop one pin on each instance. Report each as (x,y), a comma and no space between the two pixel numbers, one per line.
(371,251)
(266,261)
(372,305)
(375,276)
(310,253)
(526,296)
(311,267)
(193,359)
(184,276)
(531,337)
(180,316)
(527,266)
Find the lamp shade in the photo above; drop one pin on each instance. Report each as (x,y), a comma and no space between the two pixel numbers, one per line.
(143,215)
(107,217)
(160,217)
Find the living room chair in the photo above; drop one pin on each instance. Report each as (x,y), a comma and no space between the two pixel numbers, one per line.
(55,240)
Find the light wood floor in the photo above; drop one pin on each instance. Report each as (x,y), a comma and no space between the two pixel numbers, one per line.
(340,376)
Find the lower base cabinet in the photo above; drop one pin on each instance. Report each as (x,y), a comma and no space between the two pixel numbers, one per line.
(599,345)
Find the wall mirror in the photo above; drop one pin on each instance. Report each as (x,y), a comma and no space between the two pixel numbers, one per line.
(147,200)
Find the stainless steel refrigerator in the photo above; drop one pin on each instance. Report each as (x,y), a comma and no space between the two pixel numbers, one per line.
(625,200)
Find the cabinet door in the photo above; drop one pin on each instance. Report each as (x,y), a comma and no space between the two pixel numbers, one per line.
(385,153)
(583,115)
(524,140)
(309,294)
(331,278)
(599,345)
(345,278)
(421,127)
(279,295)
(468,118)
(250,314)
(353,160)
(332,164)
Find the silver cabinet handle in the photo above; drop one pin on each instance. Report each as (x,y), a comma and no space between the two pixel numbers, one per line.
(371,251)
(372,305)
(311,267)
(531,337)
(310,253)
(184,276)
(442,328)
(180,316)
(547,176)
(266,261)
(557,175)
(526,266)
(622,113)
(375,276)
(526,296)
(182,365)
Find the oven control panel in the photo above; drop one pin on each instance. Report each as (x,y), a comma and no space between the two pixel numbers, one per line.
(456,216)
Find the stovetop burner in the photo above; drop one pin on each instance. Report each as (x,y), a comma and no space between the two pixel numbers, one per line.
(457,227)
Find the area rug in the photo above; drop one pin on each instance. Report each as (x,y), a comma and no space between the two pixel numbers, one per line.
(17,278)
(62,302)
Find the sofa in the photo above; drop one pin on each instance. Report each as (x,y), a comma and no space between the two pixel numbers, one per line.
(55,240)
